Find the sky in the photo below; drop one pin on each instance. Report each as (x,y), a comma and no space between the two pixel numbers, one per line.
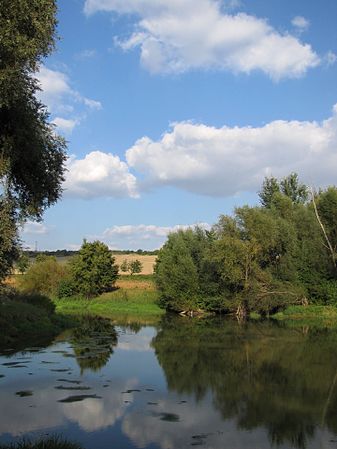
(176,110)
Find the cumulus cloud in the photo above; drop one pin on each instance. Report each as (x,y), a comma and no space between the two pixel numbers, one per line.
(99,174)
(178,36)
(301,23)
(225,161)
(34,228)
(61,99)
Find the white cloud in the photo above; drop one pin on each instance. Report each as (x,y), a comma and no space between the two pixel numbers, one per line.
(65,125)
(225,161)
(86,54)
(301,23)
(145,232)
(147,237)
(99,174)
(179,35)
(60,98)
(34,228)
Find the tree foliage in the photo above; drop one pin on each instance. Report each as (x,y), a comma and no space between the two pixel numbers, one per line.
(93,270)
(32,155)
(259,259)
(135,266)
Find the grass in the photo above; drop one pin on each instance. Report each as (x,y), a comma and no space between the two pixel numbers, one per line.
(135,298)
(316,315)
(50,443)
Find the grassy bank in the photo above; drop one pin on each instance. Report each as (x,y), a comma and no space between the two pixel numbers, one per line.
(134,299)
(315,315)
(30,317)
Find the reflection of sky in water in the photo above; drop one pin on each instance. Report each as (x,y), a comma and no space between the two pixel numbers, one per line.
(121,417)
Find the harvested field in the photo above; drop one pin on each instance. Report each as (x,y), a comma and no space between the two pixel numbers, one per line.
(147,261)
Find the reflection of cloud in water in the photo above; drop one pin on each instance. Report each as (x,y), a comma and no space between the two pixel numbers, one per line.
(17,417)
(47,414)
(95,414)
(199,424)
(141,344)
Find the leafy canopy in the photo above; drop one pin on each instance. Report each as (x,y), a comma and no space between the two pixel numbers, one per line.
(32,155)
(93,270)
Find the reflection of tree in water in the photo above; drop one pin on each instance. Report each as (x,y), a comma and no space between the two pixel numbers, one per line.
(93,342)
(262,375)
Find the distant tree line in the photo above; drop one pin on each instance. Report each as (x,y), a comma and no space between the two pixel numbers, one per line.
(69,253)
(259,259)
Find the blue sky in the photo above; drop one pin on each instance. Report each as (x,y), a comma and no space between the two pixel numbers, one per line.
(174,111)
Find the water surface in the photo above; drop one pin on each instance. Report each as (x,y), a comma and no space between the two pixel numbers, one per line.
(184,383)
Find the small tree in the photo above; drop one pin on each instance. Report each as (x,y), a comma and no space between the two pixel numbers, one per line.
(135,267)
(93,269)
(124,266)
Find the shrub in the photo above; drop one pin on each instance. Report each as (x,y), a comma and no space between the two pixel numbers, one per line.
(43,277)
(66,288)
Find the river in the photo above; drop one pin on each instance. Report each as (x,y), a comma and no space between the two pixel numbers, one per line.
(181,383)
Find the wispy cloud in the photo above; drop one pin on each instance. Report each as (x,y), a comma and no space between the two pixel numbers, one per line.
(34,228)
(300,23)
(140,236)
(61,99)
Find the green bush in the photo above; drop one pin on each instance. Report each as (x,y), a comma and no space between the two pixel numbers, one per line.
(66,288)
(43,276)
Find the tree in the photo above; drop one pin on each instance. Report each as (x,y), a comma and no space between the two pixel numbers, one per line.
(176,273)
(32,155)
(22,263)
(135,266)
(93,269)
(8,239)
(124,266)
(288,186)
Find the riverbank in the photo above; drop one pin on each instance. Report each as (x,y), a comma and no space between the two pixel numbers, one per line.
(29,317)
(49,443)
(135,299)
(314,315)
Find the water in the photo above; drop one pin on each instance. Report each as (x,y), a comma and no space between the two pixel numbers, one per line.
(183,383)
